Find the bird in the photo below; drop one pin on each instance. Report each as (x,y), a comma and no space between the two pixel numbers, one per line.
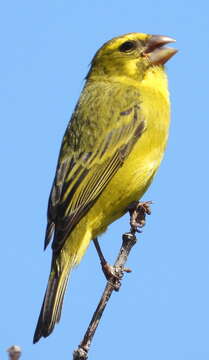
(110,152)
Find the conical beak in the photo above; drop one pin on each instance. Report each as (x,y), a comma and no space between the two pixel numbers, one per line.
(155,50)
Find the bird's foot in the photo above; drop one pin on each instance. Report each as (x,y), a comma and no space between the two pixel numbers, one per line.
(138,211)
(114,274)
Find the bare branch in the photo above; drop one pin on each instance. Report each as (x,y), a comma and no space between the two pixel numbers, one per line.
(138,212)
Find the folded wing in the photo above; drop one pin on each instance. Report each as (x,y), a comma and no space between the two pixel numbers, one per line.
(90,156)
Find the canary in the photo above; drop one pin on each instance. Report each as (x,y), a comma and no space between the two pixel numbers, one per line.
(111,150)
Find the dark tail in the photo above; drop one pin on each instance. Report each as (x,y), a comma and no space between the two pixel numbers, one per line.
(53,300)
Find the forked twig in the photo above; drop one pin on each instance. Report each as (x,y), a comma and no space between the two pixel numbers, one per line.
(138,212)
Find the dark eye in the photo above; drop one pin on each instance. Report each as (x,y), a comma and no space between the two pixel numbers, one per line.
(127,46)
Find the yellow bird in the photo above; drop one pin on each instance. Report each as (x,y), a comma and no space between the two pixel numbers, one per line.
(109,155)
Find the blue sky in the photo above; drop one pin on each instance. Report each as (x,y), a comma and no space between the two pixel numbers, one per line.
(162,310)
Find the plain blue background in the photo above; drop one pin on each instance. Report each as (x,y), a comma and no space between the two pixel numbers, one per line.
(161,311)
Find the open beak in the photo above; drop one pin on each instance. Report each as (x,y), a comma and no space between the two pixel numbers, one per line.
(155,50)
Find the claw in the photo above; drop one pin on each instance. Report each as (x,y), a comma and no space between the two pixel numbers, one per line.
(109,271)
(114,274)
(138,211)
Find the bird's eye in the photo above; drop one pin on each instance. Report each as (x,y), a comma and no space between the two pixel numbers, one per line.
(127,46)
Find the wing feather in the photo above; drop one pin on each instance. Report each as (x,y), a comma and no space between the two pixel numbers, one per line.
(81,177)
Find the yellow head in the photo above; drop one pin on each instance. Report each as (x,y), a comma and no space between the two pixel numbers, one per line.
(131,55)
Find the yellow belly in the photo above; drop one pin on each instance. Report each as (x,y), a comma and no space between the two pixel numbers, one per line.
(130,182)
(128,185)
(135,176)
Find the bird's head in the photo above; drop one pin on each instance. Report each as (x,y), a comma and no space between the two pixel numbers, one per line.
(131,55)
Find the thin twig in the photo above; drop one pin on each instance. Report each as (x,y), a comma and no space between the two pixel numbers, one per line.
(138,213)
(14,352)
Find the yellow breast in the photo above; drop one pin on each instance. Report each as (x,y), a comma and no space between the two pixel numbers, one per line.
(134,177)
(138,170)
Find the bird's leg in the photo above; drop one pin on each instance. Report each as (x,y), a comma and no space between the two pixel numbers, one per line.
(107,269)
(138,211)
(111,273)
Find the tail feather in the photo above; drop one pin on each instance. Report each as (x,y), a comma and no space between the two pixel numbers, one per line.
(52,303)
